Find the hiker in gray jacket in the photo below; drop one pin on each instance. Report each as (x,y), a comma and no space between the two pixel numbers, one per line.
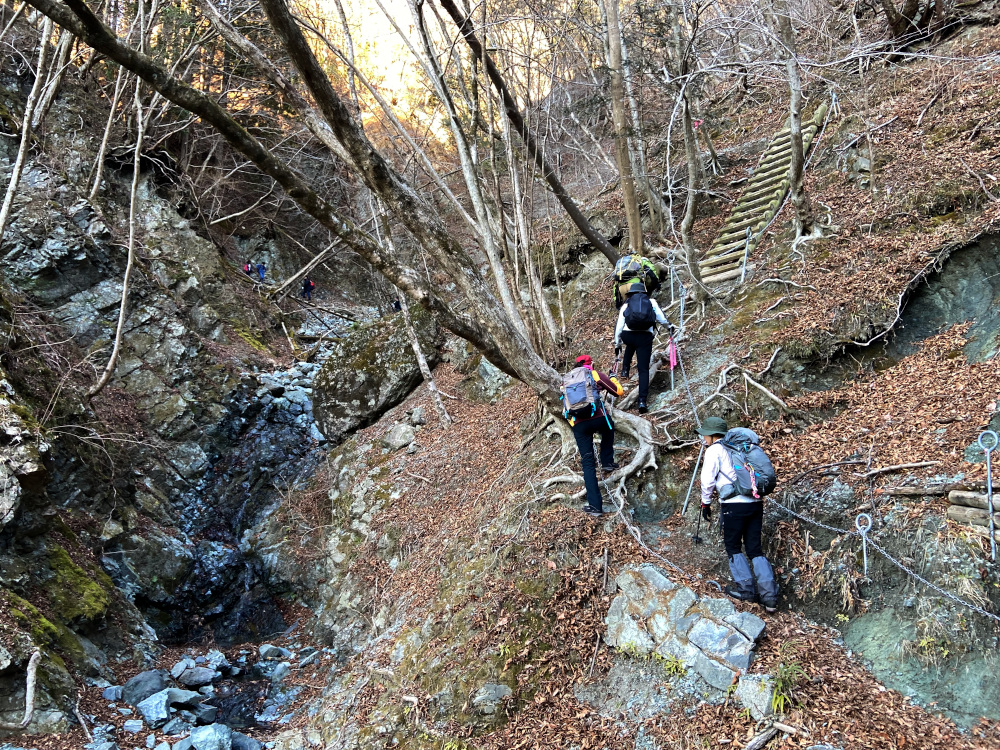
(742,518)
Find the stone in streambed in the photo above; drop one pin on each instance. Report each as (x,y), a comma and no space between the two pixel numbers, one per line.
(144,685)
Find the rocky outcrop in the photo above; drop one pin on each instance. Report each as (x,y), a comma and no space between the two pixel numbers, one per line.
(651,614)
(371,370)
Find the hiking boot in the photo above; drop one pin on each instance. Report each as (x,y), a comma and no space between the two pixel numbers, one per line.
(593,512)
(642,407)
(769,607)
(624,374)
(609,468)
(734,593)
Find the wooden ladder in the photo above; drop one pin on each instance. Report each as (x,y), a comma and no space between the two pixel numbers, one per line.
(761,199)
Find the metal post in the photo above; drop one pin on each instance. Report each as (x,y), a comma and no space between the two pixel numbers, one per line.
(864,536)
(683,293)
(746,254)
(989,487)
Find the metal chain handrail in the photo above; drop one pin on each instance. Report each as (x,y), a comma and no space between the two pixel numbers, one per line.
(878,548)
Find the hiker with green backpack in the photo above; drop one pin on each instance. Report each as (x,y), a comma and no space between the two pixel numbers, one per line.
(587,416)
(636,328)
(738,469)
(633,269)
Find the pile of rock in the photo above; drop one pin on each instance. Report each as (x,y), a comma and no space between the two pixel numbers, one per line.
(174,704)
(290,394)
(652,615)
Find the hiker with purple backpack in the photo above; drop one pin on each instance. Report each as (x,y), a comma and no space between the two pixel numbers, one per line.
(587,415)
(636,327)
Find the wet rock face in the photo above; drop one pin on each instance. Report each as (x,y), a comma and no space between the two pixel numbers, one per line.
(373,369)
(966,289)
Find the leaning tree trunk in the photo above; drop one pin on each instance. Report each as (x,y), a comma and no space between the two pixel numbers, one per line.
(29,113)
(804,222)
(620,120)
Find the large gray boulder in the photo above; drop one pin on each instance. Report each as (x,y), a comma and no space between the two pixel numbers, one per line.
(156,708)
(651,614)
(144,685)
(373,369)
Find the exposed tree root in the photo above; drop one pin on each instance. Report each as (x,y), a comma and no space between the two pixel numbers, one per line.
(29,694)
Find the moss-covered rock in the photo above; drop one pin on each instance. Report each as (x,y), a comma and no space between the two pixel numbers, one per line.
(373,370)
(76,595)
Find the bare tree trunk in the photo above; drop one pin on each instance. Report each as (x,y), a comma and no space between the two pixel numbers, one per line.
(59,64)
(804,223)
(425,369)
(523,241)
(657,208)
(29,110)
(349,43)
(527,137)
(140,124)
(13,19)
(691,204)
(620,119)
(472,183)
(99,161)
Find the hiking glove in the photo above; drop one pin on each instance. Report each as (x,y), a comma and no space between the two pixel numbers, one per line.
(618,350)
(706,512)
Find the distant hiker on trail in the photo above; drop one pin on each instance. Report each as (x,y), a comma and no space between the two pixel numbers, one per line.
(307,288)
(637,321)
(585,412)
(738,469)
(260,272)
(634,269)
(248,268)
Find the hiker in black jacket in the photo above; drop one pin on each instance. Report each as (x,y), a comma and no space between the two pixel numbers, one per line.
(638,340)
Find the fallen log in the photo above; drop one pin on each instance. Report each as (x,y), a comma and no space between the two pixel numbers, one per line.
(972,499)
(973,516)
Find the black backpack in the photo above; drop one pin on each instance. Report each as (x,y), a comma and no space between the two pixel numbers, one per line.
(639,315)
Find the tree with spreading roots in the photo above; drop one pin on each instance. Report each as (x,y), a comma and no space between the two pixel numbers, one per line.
(455,292)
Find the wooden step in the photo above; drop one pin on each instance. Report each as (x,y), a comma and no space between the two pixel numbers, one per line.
(757,204)
(721,260)
(740,227)
(719,270)
(728,247)
(719,278)
(972,500)
(740,234)
(771,181)
(776,190)
(972,516)
(772,169)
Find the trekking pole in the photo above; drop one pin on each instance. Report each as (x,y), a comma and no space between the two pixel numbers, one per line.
(988,449)
(693,475)
(697,532)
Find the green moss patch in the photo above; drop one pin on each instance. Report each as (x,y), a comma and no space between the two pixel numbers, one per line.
(76,594)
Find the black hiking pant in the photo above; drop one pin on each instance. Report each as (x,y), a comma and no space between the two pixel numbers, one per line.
(639,343)
(741,524)
(584,431)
